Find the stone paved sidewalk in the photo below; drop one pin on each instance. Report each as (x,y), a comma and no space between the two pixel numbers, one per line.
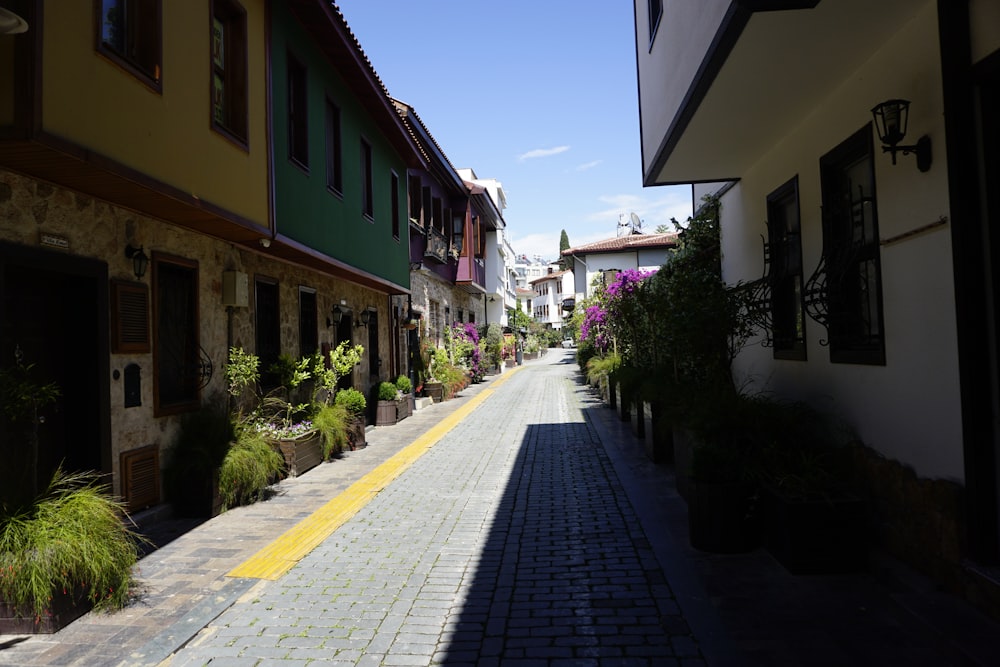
(183,584)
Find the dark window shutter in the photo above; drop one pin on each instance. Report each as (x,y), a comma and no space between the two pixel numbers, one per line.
(129,317)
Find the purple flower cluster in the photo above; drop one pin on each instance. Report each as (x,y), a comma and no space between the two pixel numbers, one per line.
(468,332)
(594,326)
(627,283)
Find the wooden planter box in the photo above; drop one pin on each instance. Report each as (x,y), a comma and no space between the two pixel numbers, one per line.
(64,610)
(385,413)
(821,536)
(404,407)
(300,454)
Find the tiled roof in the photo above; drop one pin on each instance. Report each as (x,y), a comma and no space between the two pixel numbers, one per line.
(548,276)
(629,242)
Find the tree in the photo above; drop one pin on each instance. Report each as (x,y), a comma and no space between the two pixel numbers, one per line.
(565,263)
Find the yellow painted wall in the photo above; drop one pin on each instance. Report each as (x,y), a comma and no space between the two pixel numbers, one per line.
(90,101)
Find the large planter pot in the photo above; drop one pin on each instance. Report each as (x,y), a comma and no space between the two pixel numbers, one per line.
(624,404)
(300,454)
(356,433)
(201,497)
(659,434)
(720,517)
(63,610)
(816,536)
(434,390)
(683,443)
(385,413)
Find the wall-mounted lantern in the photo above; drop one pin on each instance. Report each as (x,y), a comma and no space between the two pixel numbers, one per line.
(891,117)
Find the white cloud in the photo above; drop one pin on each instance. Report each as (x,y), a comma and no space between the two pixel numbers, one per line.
(588,165)
(542,152)
(671,202)
(544,245)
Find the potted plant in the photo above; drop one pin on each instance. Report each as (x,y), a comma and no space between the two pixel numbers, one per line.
(194,458)
(250,466)
(724,464)
(65,549)
(814,521)
(405,388)
(387,399)
(64,553)
(355,404)
(284,423)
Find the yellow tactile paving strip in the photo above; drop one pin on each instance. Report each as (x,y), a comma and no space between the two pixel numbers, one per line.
(280,556)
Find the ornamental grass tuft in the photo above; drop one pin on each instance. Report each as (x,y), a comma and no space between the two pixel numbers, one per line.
(73,539)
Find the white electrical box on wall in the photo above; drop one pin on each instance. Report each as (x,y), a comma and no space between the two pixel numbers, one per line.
(235,289)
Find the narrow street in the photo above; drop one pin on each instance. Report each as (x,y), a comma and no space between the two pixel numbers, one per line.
(528,528)
(511,541)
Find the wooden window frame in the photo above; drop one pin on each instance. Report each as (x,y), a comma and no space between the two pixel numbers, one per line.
(298,112)
(415,201)
(655,11)
(788,325)
(160,262)
(394,202)
(367,180)
(140,51)
(334,149)
(308,337)
(228,84)
(856,326)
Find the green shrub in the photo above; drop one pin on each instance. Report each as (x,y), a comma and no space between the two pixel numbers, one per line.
(352,400)
(386,391)
(249,467)
(73,538)
(331,423)
(403,384)
(196,453)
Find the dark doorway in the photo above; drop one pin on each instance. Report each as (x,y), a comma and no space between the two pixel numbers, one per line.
(268,324)
(54,313)
(374,360)
(344,329)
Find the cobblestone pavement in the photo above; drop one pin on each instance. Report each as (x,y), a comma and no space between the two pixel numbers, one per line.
(535,532)
(510,542)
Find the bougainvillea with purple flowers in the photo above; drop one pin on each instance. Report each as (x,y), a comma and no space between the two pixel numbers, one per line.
(468,351)
(610,320)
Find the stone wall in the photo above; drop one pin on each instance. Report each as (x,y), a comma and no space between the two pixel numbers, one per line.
(426,287)
(97,229)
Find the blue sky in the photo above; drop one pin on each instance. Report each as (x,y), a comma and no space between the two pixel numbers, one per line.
(539,94)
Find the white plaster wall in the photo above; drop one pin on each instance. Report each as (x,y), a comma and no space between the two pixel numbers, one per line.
(649,260)
(596,264)
(667,69)
(908,409)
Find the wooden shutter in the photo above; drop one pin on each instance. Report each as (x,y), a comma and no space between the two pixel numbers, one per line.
(129,317)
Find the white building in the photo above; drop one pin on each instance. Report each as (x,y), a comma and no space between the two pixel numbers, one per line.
(604,259)
(500,276)
(884,266)
(552,292)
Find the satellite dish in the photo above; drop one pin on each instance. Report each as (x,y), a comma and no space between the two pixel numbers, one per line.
(11,23)
(636,224)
